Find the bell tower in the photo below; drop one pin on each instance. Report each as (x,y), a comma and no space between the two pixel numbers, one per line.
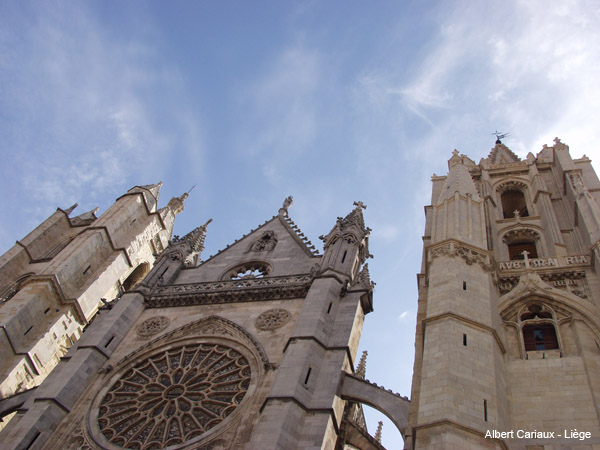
(507,324)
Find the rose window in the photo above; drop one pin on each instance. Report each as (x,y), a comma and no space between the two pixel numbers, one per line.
(174,396)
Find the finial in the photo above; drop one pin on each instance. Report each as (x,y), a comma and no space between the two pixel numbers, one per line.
(361,369)
(286,204)
(176,203)
(517,213)
(378,432)
(360,204)
(70,210)
(454,152)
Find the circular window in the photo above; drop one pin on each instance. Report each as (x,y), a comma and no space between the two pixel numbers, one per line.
(173,396)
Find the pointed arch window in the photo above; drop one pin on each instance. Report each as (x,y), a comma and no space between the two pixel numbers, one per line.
(520,240)
(538,327)
(540,337)
(514,204)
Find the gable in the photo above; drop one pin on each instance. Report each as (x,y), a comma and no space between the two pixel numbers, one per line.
(276,243)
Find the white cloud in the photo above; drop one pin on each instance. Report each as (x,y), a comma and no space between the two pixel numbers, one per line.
(283,103)
(79,97)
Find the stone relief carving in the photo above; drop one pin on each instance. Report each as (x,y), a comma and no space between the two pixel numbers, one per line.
(174,395)
(152,326)
(265,243)
(272,319)
(578,184)
(471,256)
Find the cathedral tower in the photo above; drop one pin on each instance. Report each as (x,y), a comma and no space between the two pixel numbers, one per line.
(53,281)
(508,324)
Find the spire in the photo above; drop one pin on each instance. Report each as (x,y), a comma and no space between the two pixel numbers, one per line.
(458,179)
(176,203)
(283,211)
(355,217)
(191,244)
(378,432)
(364,278)
(361,369)
(70,210)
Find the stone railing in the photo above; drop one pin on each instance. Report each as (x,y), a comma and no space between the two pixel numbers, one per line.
(252,289)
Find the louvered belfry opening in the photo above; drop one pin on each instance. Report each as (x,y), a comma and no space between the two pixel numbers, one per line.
(514,200)
(515,250)
(540,337)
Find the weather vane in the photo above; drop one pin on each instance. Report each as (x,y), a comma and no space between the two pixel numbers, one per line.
(500,135)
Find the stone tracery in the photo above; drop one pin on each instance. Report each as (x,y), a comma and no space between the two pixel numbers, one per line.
(174,396)
(272,319)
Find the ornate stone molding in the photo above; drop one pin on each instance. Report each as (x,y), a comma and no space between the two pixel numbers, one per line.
(520,235)
(209,326)
(573,281)
(152,326)
(511,185)
(229,291)
(456,249)
(273,319)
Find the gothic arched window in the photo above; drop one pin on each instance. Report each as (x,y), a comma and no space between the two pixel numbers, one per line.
(540,337)
(520,240)
(516,249)
(538,328)
(514,204)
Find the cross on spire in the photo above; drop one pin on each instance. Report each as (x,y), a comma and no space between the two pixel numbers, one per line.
(360,204)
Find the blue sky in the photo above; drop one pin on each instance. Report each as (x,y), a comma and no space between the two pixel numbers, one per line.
(330,102)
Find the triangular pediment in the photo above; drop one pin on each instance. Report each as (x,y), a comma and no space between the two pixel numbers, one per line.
(278,243)
(501,154)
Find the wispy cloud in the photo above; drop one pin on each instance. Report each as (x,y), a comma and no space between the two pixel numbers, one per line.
(281,105)
(79,97)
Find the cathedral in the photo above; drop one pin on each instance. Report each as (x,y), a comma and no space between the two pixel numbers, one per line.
(117,334)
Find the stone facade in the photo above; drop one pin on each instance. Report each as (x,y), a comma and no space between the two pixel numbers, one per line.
(508,324)
(253,348)
(53,281)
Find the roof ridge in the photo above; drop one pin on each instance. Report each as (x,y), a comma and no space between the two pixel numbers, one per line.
(301,236)
(236,241)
